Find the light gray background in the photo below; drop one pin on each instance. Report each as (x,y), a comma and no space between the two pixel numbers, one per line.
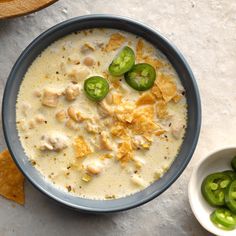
(205,31)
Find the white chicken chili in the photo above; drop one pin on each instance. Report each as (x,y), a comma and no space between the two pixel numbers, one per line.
(101,113)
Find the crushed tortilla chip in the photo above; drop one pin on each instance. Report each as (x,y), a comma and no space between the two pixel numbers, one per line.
(81,147)
(116,98)
(177,97)
(11,179)
(156,63)
(147,111)
(162,109)
(145,99)
(139,50)
(159,131)
(167,86)
(143,121)
(115,41)
(119,130)
(156,91)
(125,152)
(124,112)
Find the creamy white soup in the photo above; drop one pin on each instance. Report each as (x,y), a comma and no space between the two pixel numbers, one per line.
(102,149)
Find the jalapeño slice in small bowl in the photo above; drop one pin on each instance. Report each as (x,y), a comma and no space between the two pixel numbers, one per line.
(223,219)
(230,196)
(141,77)
(231,173)
(123,62)
(213,188)
(96,88)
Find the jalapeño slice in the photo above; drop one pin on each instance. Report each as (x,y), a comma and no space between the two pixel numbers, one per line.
(233,163)
(230,196)
(123,62)
(141,77)
(223,219)
(96,88)
(231,173)
(213,188)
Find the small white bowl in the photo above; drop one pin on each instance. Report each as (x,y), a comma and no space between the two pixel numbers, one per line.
(215,162)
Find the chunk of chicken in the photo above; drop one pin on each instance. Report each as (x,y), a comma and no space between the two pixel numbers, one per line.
(177,128)
(54,142)
(77,73)
(50,98)
(61,115)
(104,109)
(39,118)
(105,142)
(94,167)
(25,108)
(138,180)
(92,126)
(37,93)
(71,92)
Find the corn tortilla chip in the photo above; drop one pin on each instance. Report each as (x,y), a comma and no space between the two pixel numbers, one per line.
(11,179)
(167,86)
(115,42)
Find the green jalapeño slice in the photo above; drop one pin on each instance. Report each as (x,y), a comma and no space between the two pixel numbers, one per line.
(224,219)
(141,77)
(96,88)
(230,196)
(123,62)
(213,188)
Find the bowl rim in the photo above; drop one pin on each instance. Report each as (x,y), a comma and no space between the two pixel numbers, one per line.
(127,20)
(196,167)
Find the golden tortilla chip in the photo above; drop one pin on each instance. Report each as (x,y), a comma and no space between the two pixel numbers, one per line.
(125,152)
(116,98)
(167,86)
(124,112)
(162,109)
(139,50)
(157,64)
(115,41)
(145,99)
(119,130)
(81,147)
(11,179)
(156,91)
(177,97)
(143,121)
(147,111)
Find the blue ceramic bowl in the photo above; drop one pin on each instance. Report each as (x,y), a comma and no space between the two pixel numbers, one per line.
(104,21)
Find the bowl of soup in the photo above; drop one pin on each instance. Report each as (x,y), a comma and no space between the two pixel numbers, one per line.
(101,113)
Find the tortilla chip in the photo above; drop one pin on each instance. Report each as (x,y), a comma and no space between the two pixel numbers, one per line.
(143,121)
(11,179)
(177,97)
(82,149)
(116,98)
(162,109)
(139,50)
(167,86)
(115,41)
(119,130)
(156,91)
(124,112)
(125,152)
(157,64)
(145,99)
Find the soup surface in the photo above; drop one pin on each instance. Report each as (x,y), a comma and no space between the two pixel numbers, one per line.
(99,149)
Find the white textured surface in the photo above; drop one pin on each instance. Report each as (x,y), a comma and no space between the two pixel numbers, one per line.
(205,31)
